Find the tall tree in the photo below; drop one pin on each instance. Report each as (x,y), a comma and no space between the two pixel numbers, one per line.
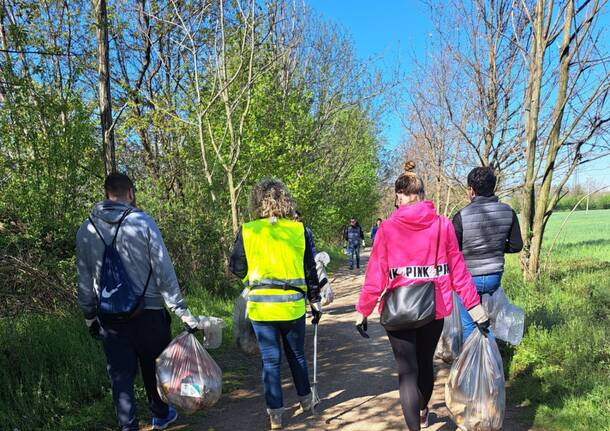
(566,109)
(104,94)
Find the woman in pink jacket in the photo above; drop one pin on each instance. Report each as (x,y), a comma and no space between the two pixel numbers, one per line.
(404,253)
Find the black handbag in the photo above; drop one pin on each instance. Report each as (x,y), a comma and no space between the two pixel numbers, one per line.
(412,306)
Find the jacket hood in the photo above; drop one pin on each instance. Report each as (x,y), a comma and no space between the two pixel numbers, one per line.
(417,216)
(110,211)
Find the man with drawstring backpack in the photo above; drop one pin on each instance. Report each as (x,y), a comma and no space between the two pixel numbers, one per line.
(125,281)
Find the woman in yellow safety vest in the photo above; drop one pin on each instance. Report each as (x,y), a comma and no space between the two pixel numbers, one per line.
(273,258)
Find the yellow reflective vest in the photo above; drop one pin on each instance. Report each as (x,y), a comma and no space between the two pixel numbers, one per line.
(275,253)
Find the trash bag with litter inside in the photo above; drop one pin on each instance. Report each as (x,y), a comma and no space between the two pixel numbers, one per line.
(475,390)
(187,376)
(450,343)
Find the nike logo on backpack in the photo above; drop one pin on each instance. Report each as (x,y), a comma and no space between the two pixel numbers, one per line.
(107,294)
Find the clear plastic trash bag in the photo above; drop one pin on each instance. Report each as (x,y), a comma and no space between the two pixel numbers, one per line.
(242,325)
(187,376)
(322,260)
(507,320)
(452,337)
(475,390)
(212,331)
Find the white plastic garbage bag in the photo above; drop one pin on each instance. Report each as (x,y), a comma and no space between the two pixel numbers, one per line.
(322,260)
(475,390)
(212,331)
(450,343)
(187,376)
(507,320)
(242,325)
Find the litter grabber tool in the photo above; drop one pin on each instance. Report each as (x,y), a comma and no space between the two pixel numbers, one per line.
(315,398)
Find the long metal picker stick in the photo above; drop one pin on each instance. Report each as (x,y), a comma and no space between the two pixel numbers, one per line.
(314,387)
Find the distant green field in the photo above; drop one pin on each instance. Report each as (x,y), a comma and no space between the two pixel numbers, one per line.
(560,374)
(583,235)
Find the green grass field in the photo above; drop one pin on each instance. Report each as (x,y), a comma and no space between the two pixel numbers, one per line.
(560,374)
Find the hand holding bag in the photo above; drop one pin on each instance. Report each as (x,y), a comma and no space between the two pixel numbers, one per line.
(412,306)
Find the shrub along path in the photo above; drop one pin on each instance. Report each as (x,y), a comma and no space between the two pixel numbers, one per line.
(357,380)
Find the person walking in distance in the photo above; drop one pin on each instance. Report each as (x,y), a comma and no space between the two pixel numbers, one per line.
(273,256)
(374,230)
(354,237)
(125,280)
(485,229)
(432,255)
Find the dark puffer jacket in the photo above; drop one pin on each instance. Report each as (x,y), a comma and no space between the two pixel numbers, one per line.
(353,234)
(486,229)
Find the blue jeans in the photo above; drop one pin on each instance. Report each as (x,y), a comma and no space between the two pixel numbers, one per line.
(486,284)
(354,250)
(270,336)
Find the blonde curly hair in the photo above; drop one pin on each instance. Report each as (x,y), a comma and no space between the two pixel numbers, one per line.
(271,198)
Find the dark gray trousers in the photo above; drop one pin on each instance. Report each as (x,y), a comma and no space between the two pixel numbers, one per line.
(140,340)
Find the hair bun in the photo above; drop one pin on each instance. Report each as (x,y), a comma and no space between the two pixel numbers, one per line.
(409,167)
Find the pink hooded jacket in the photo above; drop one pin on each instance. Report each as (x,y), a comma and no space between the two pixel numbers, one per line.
(403,253)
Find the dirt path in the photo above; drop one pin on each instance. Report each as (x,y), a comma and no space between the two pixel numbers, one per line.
(357,380)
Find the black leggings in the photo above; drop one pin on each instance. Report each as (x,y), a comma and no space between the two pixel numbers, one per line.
(414,353)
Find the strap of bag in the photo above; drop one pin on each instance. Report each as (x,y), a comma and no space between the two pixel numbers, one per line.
(97,231)
(147,281)
(125,214)
(438,240)
(116,233)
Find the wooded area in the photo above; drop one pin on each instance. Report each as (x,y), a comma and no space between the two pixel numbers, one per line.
(198,100)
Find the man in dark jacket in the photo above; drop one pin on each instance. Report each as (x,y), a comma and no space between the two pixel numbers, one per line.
(354,236)
(486,229)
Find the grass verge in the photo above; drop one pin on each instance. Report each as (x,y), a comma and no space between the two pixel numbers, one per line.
(561,369)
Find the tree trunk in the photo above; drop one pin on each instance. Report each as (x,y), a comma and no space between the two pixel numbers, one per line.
(233,201)
(105,97)
(534,86)
(544,195)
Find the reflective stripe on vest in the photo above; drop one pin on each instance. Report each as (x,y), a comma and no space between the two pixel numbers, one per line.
(276,282)
(275,298)
(275,253)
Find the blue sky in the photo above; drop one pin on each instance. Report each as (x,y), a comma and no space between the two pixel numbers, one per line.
(390,32)
(387,32)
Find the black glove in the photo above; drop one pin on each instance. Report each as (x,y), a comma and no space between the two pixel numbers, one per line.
(362,328)
(483,327)
(190,330)
(316,313)
(94,330)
